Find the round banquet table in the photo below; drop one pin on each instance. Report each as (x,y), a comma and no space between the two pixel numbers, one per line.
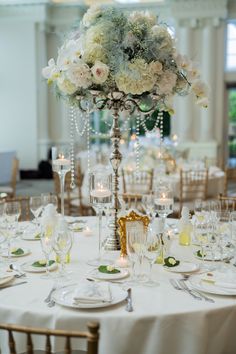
(164,320)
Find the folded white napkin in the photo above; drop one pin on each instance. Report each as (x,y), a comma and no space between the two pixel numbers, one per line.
(92,292)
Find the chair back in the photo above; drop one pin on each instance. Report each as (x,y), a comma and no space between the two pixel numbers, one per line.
(25,214)
(230,176)
(91,335)
(133,201)
(193,185)
(137,182)
(14,174)
(227,203)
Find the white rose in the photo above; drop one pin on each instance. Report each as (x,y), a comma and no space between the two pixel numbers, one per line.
(79,74)
(167,82)
(93,53)
(100,72)
(65,86)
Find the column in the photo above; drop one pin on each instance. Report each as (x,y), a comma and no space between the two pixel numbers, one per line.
(184,116)
(208,74)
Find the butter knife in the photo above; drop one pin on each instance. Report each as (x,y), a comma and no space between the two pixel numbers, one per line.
(129,306)
(9,286)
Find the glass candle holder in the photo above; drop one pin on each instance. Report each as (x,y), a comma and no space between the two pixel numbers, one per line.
(100,197)
(61,165)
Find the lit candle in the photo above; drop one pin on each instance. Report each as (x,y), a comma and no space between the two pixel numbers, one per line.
(122,262)
(61,161)
(87,231)
(100,192)
(164,201)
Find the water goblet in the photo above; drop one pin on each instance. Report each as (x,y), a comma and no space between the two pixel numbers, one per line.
(61,165)
(36,207)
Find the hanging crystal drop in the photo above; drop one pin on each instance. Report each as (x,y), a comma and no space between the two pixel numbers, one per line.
(137,142)
(72,144)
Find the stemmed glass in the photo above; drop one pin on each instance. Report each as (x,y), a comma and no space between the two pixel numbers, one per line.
(12,212)
(135,245)
(46,240)
(100,197)
(148,202)
(36,207)
(61,165)
(152,249)
(62,243)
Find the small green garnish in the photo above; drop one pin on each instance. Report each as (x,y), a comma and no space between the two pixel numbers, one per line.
(37,236)
(171,262)
(41,264)
(105,269)
(17,252)
(200,254)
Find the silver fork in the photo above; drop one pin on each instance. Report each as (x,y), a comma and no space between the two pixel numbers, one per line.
(206,298)
(184,287)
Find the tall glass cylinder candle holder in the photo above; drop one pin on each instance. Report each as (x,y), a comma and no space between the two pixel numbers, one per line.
(61,165)
(100,197)
(164,205)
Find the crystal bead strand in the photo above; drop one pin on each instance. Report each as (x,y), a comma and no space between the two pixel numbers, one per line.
(137,142)
(87,116)
(72,144)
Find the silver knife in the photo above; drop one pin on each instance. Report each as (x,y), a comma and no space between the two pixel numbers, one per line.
(9,286)
(129,306)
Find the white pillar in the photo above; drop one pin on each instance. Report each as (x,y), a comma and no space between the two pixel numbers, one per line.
(208,73)
(184,115)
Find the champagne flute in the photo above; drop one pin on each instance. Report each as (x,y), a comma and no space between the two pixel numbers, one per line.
(12,212)
(46,240)
(62,243)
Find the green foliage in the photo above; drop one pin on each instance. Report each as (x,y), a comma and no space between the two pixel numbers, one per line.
(232,105)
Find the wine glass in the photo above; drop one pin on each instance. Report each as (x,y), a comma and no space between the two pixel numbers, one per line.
(48,198)
(152,250)
(62,243)
(100,197)
(61,165)
(12,212)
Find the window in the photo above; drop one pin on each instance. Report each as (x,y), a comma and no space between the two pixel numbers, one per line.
(231,47)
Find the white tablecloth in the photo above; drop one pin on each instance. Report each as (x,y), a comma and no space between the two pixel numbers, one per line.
(164,320)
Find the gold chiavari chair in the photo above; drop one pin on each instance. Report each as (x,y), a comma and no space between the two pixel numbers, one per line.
(137,182)
(133,201)
(227,203)
(11,189)
(230,176)
(193,185)
(92,336)
(25,214)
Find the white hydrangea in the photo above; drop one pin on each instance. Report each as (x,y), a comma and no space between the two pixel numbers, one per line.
(66,86)
(93,12)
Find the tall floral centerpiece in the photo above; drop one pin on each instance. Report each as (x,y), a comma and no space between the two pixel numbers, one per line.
(122,61)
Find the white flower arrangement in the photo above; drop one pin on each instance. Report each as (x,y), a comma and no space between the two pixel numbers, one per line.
(134,54)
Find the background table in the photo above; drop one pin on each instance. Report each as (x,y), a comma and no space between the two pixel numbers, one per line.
(164,320)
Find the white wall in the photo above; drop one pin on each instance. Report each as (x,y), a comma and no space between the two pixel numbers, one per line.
(18,105)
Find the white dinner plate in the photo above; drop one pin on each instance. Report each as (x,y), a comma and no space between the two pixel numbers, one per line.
(197,283)
(6,279)
(104,276)
(64,297)
(30,236)
(26,252)
(27,267)
(183,267)
(209,257)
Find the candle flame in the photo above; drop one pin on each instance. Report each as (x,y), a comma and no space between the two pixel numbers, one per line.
(61,156)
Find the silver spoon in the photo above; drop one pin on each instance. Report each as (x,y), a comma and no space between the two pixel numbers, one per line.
(16,269)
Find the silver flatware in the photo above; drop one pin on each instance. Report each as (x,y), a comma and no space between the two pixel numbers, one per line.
(11,285)
(51,303)
(184,287)
(175,284)
(48,298)
(129,305)
(17,269)
(105,280)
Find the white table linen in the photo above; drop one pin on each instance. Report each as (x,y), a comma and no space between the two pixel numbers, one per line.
(164,320)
